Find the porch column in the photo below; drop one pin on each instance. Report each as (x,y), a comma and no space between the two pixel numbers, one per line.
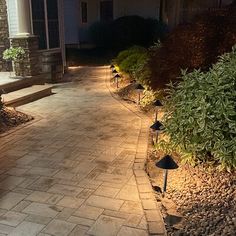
(24,38)
(24,19)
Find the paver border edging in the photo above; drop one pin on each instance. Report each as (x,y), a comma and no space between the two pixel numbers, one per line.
(151,208)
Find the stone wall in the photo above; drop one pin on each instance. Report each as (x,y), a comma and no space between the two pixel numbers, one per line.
(31,63)
(52,65)
(4,35)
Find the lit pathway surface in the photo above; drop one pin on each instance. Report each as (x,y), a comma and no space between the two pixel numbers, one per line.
(70,172)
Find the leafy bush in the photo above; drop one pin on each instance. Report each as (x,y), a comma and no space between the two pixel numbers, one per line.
(149,97)
(133,62)
(14,54)
(130,64)
(201,114)
(126,53)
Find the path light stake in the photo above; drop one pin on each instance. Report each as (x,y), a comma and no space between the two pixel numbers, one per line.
(157,127)
(140,89)
(157,104)
(166,163)
(117,77)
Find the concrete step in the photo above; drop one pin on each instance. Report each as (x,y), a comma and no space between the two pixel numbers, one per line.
(26,95)
(12,84)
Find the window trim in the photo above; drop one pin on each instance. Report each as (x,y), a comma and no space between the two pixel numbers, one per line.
(46,26)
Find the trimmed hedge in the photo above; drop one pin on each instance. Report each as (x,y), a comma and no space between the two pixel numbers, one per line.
(133,62)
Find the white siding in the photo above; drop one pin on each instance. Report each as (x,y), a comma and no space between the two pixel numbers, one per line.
(146,9)
(93,16)
(12,17)
(71,19)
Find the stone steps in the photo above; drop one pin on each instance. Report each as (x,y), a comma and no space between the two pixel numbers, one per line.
(16,84)
(26,95)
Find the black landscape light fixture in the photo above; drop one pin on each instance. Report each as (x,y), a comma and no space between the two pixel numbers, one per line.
(140,89)
(114,71)
(112,67)
(117,77)
(157,105)
(166,163)
(157,127)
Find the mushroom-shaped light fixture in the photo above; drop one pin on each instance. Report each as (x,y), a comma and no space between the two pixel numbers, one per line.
(157,127)
(112,67)
(117,77)
(140,89)
(114,71)
(166,163)
(157,105)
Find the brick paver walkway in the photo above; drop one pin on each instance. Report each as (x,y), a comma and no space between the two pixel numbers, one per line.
(70,172)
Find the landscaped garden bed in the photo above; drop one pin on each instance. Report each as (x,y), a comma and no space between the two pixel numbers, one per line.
(198,201)
(198,117)
(10,118)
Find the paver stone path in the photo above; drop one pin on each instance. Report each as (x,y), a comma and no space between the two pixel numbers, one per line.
(70,171)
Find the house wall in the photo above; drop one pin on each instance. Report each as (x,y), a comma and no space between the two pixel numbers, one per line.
(71,21)
(4,34)
(146,9)
(182,11)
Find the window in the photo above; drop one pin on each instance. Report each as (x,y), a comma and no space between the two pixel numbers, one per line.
(84,12)
(106,10)
(45,23)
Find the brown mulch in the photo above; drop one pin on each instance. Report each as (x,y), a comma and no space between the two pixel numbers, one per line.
(198,202)
(10,118)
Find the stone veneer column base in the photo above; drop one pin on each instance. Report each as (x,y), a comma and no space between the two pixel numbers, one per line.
(4,35)
(52,64)
(31,64)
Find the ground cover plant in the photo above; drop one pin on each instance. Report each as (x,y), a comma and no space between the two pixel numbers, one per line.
(200,115)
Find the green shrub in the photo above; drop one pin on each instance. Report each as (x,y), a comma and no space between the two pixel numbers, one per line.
(131,63)
(201,114)
(126,53)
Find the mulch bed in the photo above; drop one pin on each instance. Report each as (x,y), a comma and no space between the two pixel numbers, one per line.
(10,118)
(198,201)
